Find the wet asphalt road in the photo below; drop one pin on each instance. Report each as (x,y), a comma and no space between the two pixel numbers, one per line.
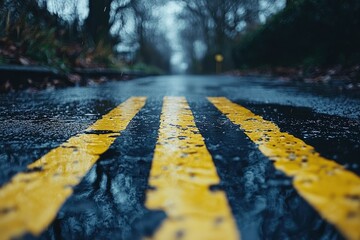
(109,201)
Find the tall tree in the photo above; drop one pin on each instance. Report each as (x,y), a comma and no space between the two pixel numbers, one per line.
(145,34)
(103,15)
(252,11)
(221,21)
(98,21)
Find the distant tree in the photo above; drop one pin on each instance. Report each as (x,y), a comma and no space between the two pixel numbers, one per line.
(103,15)
(98,21)
(306,32)
(252,13)
(146,36)
(289,2)
(220,22)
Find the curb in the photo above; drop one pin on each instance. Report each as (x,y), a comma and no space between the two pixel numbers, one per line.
(110,73)
(16,77)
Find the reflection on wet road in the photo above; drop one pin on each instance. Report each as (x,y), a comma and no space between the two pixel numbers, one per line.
(184,167)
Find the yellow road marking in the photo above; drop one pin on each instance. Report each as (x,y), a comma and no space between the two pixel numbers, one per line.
(181,174)
(30,201)
(332,190)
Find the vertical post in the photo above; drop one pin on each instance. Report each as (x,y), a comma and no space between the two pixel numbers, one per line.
(219,59)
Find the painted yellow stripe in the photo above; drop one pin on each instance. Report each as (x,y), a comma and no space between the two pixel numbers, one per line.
(181,174)
(31,200)
(332,190)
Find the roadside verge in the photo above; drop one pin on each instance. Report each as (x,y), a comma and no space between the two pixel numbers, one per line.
(17,77)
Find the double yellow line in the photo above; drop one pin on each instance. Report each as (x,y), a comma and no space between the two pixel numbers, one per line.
(181,175)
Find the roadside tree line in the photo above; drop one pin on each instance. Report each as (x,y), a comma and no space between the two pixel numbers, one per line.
(53,33)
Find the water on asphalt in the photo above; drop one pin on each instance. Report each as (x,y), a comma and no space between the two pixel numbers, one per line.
(109,201)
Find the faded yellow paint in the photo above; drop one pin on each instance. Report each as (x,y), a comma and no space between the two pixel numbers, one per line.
(331,189)
(181,175)
(31,200)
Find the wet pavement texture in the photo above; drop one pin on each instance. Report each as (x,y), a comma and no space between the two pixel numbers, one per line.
(109,201)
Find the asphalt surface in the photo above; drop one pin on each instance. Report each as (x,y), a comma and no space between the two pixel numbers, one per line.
(109,202)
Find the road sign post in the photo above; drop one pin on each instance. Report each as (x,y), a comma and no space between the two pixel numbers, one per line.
(219,59)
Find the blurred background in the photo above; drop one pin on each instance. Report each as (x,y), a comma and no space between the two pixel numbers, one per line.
(183,36)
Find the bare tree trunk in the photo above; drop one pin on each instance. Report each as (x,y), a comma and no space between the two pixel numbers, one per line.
(98,22)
